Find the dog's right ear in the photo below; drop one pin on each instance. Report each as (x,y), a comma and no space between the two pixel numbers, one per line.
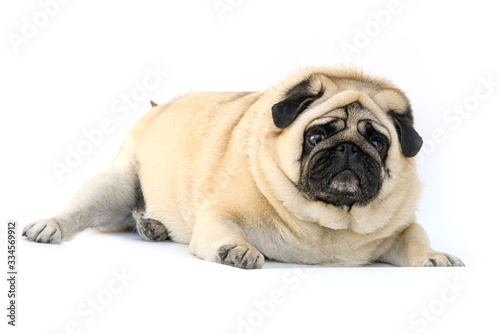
(297,99)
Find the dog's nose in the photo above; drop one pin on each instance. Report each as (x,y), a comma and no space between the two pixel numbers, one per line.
(347,153)
(347,150)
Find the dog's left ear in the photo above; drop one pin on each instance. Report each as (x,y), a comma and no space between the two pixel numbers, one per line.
(297,99)
(410,140)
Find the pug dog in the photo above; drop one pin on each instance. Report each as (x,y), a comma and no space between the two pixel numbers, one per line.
(316,170)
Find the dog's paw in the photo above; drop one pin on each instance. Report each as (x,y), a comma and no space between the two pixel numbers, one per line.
(150,229)
(437,259)
(44,231)
(240,256)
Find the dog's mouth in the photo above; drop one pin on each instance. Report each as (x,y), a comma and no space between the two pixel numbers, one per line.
(345,182)
(341,182)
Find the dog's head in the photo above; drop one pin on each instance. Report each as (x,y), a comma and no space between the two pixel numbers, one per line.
(346,149)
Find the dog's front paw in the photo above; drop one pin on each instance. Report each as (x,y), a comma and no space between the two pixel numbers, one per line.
(44,231)
(438,259)
(245,257)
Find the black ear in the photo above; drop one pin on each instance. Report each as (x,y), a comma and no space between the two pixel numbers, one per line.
(297,99)
(410,140)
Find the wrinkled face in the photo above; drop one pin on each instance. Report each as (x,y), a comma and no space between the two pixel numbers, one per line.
(343,157)
(344,152)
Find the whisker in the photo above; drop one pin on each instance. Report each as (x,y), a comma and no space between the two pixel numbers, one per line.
(291,201)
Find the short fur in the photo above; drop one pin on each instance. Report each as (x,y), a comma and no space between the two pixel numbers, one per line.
(221,171)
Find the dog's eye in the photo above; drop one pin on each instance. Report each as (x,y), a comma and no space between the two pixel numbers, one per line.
(314,137)
(377,144)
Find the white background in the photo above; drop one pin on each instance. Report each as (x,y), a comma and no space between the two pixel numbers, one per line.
(69,76)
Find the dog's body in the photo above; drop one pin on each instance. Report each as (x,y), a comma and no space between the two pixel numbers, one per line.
(231,175)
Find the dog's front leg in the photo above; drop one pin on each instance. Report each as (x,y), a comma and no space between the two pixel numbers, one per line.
(217,238)
(412,249)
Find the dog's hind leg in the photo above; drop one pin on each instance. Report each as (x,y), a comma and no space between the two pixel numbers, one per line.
(105,202)
(149,229)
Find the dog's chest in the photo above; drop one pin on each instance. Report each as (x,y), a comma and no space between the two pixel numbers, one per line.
(311,246)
